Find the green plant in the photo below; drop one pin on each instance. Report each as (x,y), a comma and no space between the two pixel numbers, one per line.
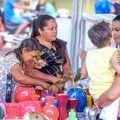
(72,77)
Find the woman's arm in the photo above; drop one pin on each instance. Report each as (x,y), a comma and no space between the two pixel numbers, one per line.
(111,94)
(67,66)
(115,61)
(22,78)
(33,72)
(66,72)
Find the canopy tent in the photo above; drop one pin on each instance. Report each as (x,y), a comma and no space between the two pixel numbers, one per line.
(75,35)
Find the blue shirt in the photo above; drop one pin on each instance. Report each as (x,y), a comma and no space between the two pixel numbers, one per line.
(46,9)
(103,7)
(8,9)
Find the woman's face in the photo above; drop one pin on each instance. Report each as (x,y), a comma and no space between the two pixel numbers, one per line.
(116,31)
(49,32)
(28,56)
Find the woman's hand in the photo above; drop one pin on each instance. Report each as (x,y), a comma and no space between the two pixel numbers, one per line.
(45,85)
(53,89)
(57,79)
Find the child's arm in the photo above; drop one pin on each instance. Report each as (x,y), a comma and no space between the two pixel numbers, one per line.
(82,55)
(115,61)
(84,73)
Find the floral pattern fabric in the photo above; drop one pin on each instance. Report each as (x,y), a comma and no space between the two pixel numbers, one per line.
(6,64)
(53,58)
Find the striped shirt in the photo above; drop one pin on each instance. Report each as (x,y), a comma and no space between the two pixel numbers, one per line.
(53,58)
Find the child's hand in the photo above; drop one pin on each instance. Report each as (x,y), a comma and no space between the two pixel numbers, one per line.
(82,54)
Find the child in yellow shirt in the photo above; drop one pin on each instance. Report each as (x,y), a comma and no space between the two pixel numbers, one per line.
(101,64)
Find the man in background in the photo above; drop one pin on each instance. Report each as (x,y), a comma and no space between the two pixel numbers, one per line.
(104,7)
(10,16)
(45,8)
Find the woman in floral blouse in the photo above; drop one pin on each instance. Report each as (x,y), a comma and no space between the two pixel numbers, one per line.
(13,65)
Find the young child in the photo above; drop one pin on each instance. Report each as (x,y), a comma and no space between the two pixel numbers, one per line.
(101,64)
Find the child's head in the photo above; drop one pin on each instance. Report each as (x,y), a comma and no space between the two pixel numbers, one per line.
(100,34)
(116,28)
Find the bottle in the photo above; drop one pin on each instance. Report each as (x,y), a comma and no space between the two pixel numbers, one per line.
(1,113)
(72,115)
(89,100)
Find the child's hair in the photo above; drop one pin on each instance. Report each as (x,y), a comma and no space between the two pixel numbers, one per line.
(100,34)
(117,18)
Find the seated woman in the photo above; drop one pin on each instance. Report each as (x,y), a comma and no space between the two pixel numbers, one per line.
(53,52)
(14,62)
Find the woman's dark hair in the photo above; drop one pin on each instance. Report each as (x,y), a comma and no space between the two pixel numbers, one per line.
(40,22)
(100,34)
(30,44)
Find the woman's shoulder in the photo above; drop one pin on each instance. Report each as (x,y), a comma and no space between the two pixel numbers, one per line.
(9,61)
(11,58)
(10,55)
(61,42)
